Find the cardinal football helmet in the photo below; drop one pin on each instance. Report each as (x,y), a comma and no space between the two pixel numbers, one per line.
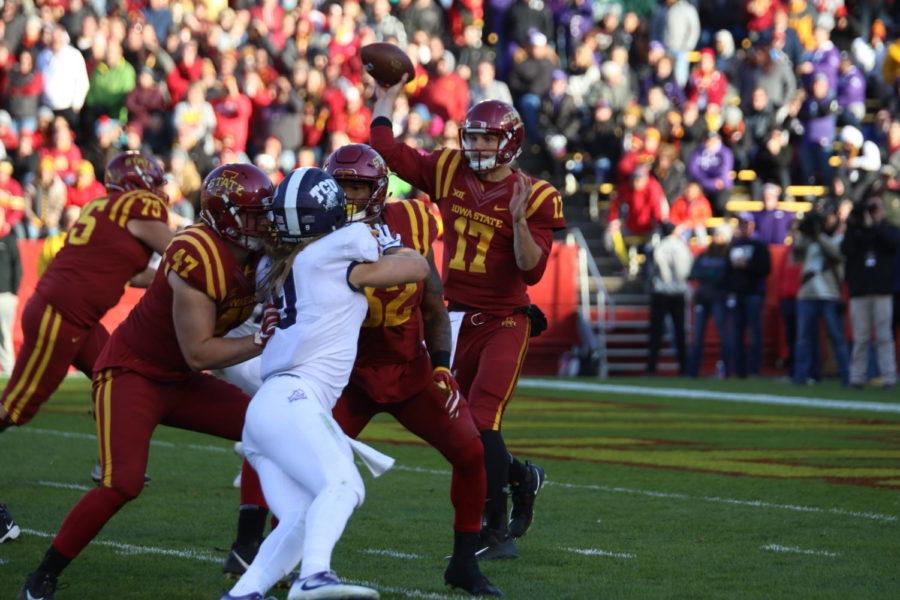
(133,170)
(360,163)
(497,118)
(306,204)
(231,202)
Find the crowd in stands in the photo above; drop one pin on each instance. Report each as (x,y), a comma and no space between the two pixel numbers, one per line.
(671,102)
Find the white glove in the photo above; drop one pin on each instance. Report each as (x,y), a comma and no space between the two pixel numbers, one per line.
(386,239)
(270,318)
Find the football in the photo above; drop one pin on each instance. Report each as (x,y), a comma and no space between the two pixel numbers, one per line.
(386,63)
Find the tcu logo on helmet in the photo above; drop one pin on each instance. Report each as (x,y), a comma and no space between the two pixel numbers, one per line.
(326,193)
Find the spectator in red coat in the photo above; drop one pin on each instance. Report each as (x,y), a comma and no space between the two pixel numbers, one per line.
(22,94)
(187,71)
(65,155)
(233,112)
(86,186)
(639,205)
(707,85)
(691,210)
(12,197)
(447,93)
(760,15)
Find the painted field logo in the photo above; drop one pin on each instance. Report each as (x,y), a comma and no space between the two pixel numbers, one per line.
(862,452)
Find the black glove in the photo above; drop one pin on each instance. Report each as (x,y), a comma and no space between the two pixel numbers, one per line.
(537,318)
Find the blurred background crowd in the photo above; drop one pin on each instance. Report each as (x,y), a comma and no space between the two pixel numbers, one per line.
(670,109)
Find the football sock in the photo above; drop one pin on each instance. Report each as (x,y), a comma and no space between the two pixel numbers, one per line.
(251,489)
(251,523)
(278,555)
(54,562)
(464,545)
(325,521)
(88,517)
(517,471)
(496,466)
(468,488)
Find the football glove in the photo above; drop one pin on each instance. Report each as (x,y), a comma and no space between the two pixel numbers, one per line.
(537,318)
(445,380)
(386,239)
(270,318)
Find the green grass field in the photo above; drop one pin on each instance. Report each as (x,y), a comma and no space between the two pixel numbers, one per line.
(648,496)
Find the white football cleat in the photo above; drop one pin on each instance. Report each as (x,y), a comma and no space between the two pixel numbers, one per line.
(326,585)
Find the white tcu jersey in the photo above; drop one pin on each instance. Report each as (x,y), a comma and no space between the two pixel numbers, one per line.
(321,314)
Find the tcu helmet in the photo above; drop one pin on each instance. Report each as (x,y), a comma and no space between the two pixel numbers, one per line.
(133,171)
(500,119)
(360,163)
(307,203)
(232,203)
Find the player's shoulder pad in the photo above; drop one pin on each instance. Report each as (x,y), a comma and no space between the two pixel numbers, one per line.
(137,204)
(448,161)
(544,202)
(416,224)
(196,255)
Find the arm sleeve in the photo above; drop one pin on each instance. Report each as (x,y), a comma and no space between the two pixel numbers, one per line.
(404,161)
(16,264)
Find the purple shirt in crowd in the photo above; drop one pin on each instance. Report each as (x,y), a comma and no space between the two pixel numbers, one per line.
(851,88)
(772,226)
(708,166)
(825,60)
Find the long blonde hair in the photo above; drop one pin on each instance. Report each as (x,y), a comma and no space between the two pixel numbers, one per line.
(281,259)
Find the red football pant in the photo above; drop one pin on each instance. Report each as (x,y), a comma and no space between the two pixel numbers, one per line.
(128,407)
(51,345)
(489,356)
(423,414)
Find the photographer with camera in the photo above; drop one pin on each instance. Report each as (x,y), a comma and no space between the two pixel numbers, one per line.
(870,246)
(818,248)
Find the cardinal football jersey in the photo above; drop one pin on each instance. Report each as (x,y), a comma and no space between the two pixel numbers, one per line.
(393,330)
(321,313)
(100,256)
(146,341)
(479,265)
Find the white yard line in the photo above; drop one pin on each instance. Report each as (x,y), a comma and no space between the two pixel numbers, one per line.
(131,549)
(533,383)
(198,555)
(64,486)
(390,553)
(795,550)
(598,552)
(679,496)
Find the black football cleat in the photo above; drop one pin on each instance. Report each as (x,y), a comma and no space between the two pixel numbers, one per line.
(523,496)
(38,586)
(496,544)
(239,559)
(465,575)
(8,528)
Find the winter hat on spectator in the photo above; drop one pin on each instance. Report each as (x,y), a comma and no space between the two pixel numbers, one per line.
(724,230)
(449,60)
(825,21)
(745,217)
(657,46)
(423,112)
(559,75)
(863,54)
(45,114)
(6,167)
(732,116)
(536,38)
(85,167)
(5,119)
(726,42)
(852,136)
(105,125)
(265,162)
(708,52)
(641,170)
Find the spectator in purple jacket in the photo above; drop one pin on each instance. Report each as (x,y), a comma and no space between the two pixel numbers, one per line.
(851,92)
(824,58)
(818,116)
(772,223)
(711,165)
